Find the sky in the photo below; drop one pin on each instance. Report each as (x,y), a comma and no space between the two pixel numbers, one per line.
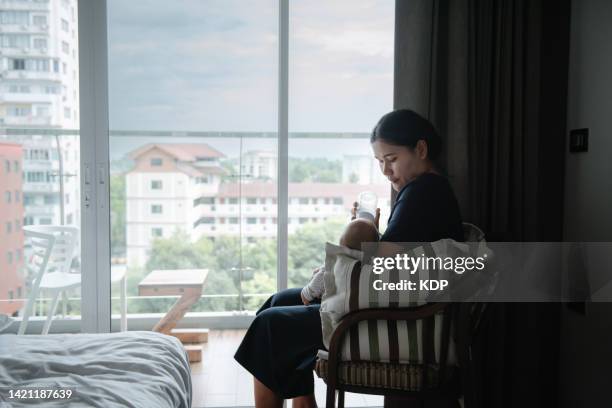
(212,65)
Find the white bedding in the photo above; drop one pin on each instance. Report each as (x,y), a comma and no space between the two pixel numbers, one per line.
(134,369)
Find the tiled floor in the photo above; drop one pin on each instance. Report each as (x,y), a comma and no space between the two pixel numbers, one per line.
(218,381)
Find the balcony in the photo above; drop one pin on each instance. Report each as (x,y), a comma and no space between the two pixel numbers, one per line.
(27,121)
(31,75)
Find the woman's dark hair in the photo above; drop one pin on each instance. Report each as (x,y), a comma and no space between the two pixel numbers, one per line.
(404,127)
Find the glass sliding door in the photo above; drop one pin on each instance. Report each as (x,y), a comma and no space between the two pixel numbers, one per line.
(192,113)
(40,198)
(340,84)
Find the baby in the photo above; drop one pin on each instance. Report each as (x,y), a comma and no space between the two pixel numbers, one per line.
(356,232)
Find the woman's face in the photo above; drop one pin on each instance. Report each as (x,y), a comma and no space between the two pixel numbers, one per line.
(400,164)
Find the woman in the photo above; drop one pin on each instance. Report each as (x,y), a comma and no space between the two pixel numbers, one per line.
(280,346)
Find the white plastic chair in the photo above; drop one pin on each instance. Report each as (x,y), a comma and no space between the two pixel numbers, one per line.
(53,249)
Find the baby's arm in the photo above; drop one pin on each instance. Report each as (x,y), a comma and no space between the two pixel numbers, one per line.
(315,288)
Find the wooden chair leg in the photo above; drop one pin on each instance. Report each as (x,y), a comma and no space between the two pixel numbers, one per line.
(340,399)
(330,401)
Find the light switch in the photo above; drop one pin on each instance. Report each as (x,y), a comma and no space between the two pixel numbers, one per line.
(579,140)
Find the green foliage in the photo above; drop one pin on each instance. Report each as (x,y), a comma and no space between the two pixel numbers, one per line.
(223,257)
(315,170)
(117,214)
(307,249)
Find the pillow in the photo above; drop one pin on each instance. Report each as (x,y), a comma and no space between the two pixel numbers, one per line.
(5,322)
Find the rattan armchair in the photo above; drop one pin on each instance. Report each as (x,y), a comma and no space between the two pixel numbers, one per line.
(426,380)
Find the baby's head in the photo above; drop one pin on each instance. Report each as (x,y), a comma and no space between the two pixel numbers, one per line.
(357,232)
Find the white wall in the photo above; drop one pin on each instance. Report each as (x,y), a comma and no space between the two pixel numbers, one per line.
(586,340)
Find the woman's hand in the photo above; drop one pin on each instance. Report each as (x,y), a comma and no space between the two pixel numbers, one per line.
(304,300)
(354,214)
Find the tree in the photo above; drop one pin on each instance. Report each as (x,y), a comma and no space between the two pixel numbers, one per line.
(307,249)
(117,214)
(314,170)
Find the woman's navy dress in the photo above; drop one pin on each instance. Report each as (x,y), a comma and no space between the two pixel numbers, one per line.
(280,347)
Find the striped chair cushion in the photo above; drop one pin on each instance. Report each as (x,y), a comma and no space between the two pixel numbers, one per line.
(348,287)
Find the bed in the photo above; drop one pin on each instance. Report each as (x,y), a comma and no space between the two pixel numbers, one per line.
(133,369)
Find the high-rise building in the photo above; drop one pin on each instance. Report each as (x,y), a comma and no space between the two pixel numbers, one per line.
(39,92)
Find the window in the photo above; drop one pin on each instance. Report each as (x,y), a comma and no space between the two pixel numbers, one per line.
(17,88)
(303,220)
(67,113)
(337,201)
(156,184)
(45,221)
(37,65)
(204,200)
(7,196)
(18,256)
(19,111)
(35,176)
(9,257)
(17,224)
(156,161)
(51,89)
(51,199)
(13,17)
(18,64)
(40,43)
(204,220)
(156,209)
(38,20)
(233,220)
(42,111)
(65,47)
(17,196)
(232,200)
(9,227)
(15,41)
(7,166)
(251,220)
(65,26)
(303,201)
(157,232)
(251,200)
(11,296)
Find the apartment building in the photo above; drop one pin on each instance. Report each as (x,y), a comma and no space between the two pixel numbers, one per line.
(39,88)
(11,233)
(180,187)
(361,169)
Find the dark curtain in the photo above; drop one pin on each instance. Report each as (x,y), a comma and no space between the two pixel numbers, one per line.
(492,77)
